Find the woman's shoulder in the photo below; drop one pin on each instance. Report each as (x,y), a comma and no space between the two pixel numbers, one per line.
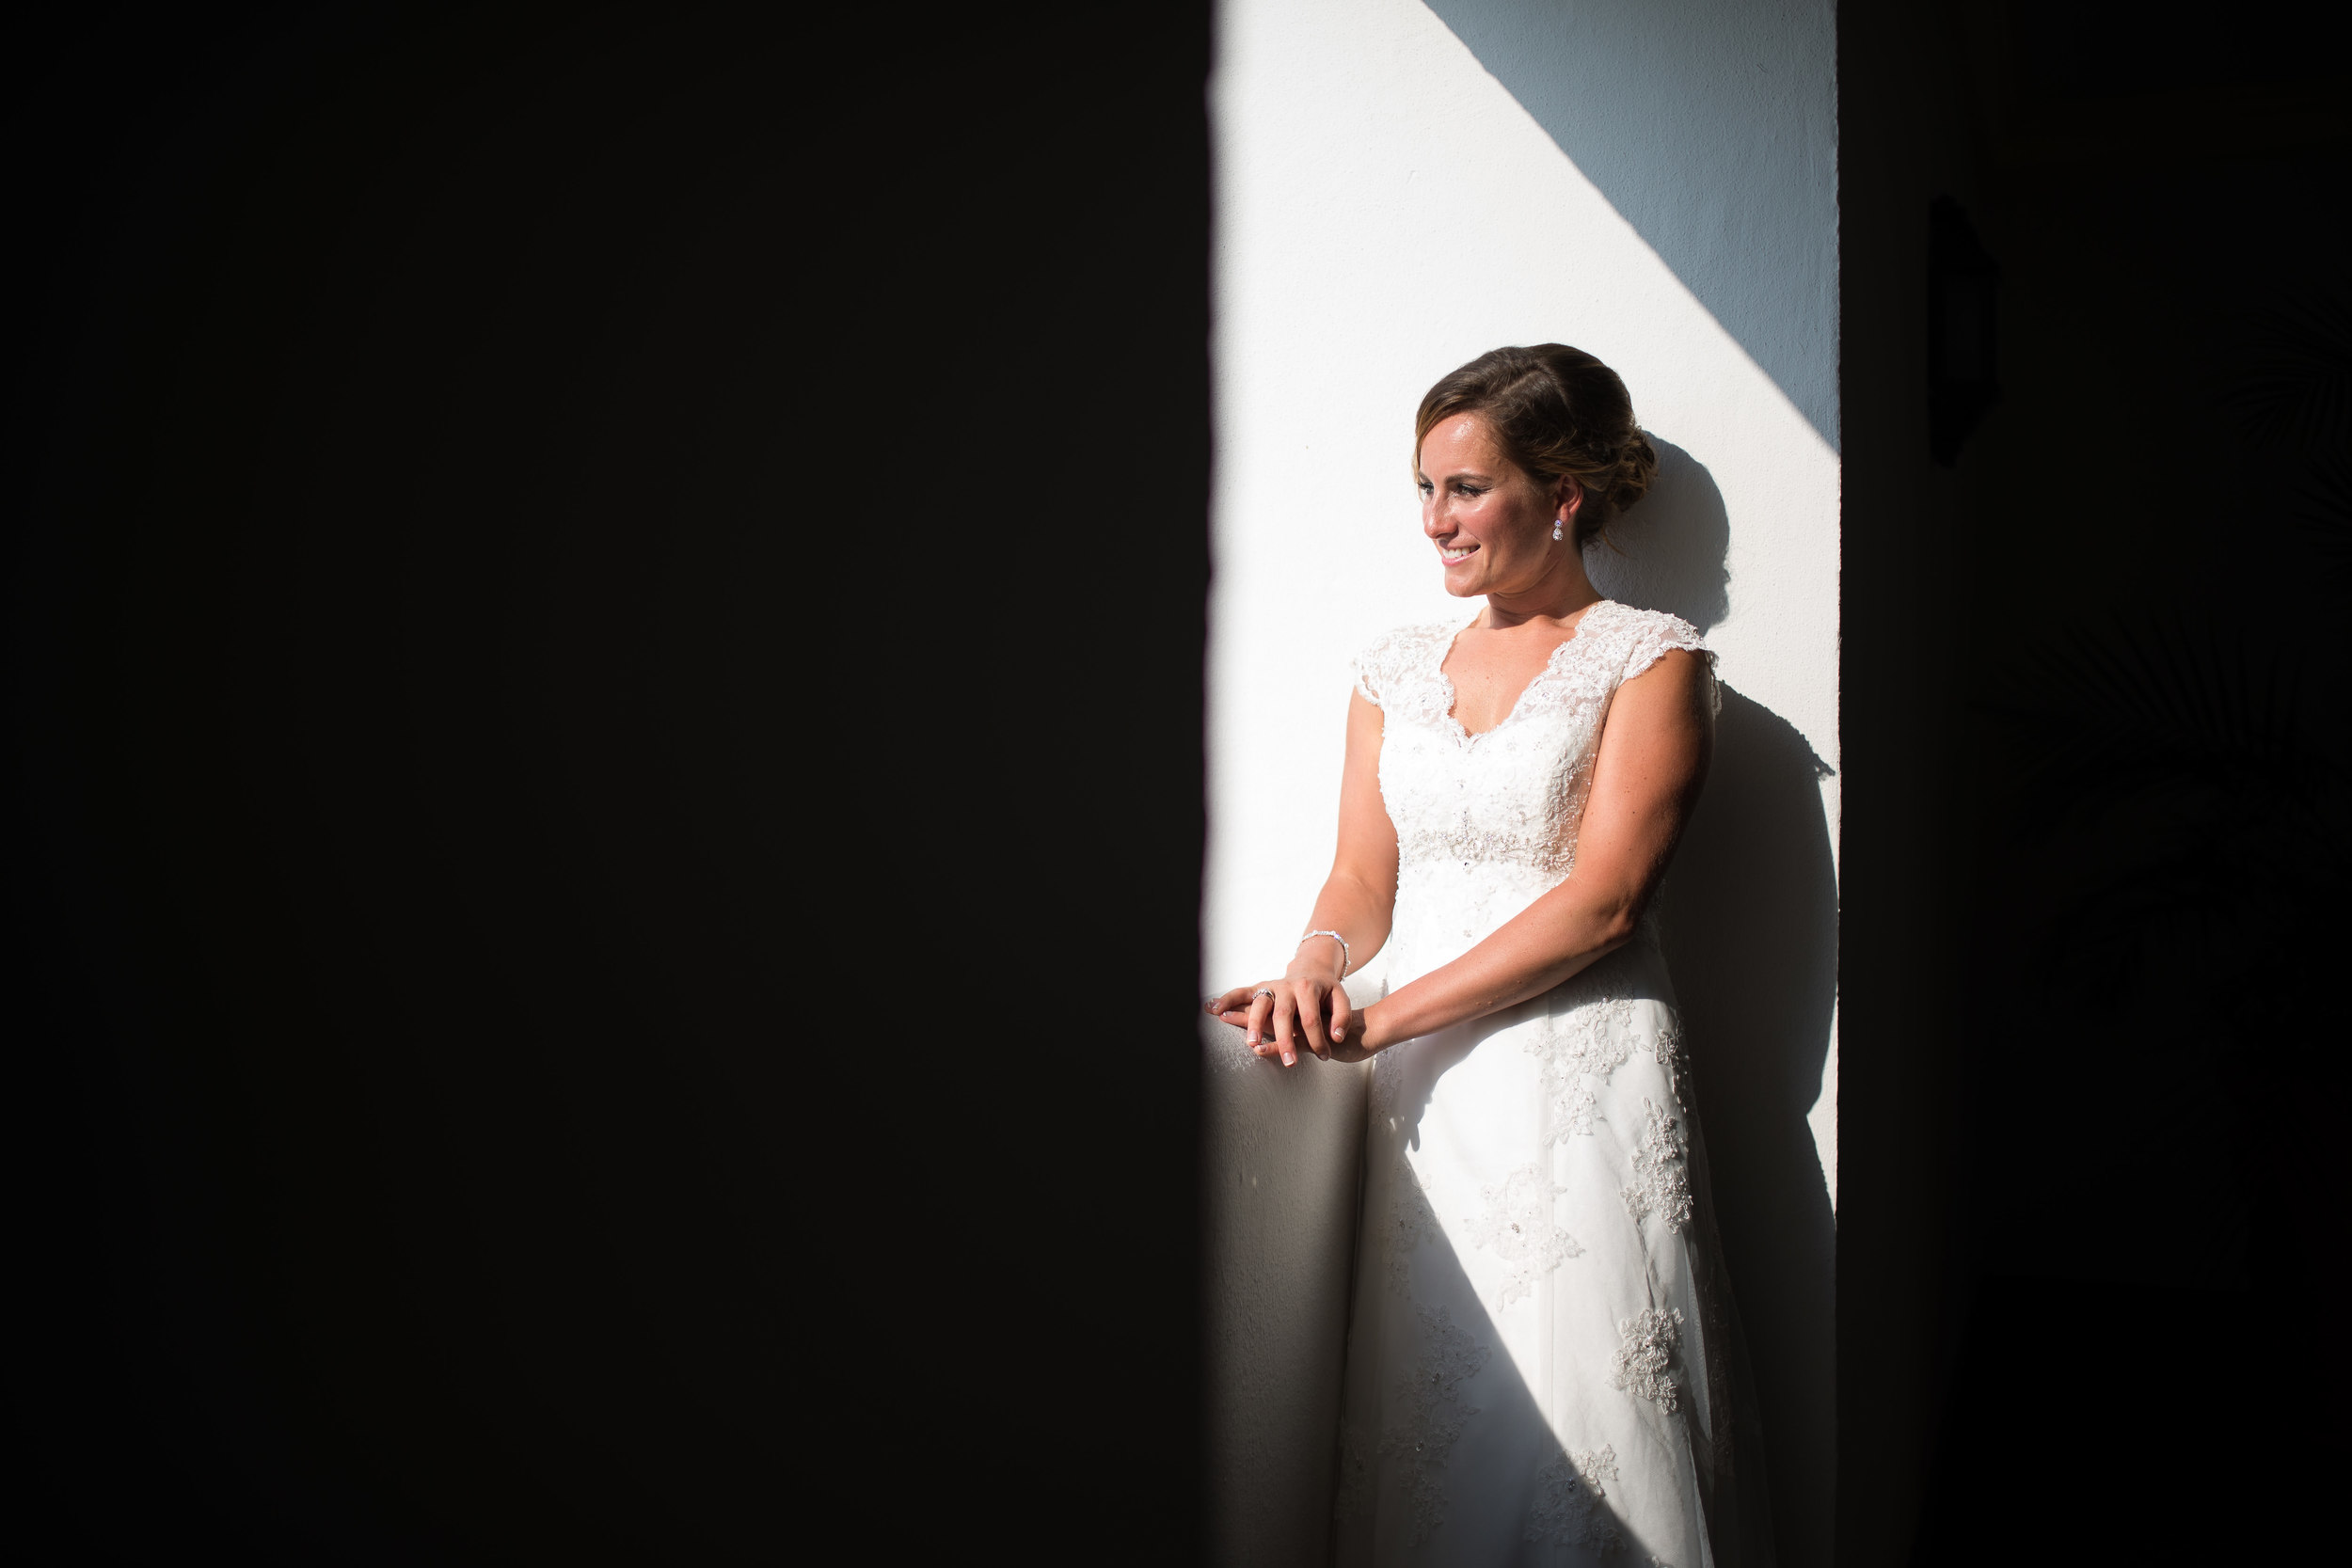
(1655,629)
(1637,639)
(1397,653)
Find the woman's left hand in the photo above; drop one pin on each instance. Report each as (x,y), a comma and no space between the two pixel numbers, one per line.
(1300,1010)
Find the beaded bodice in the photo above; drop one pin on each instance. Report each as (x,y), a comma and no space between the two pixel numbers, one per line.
(1487,823)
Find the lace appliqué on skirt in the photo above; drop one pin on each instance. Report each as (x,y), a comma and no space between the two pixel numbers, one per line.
(1661,1177)
(1431,1414)
(1592,1037)
(1651,1339)
(1517,1226)
(1569,1493)
(1411,1222)
(1667,1046)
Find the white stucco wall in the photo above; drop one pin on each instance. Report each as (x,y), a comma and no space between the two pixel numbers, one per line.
(1387,209)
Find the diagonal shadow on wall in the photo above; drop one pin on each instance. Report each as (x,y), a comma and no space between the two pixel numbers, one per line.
(1710,128)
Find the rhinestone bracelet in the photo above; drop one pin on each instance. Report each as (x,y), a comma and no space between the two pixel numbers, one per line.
(1335,937)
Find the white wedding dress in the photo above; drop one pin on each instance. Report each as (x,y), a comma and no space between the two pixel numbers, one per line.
(1542,1362)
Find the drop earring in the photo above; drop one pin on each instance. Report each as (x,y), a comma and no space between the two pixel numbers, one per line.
(1555,529)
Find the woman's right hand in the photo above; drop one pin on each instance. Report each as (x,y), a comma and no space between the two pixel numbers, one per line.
(1303,1009)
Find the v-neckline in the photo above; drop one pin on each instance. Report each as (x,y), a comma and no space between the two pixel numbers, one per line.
(1454,697)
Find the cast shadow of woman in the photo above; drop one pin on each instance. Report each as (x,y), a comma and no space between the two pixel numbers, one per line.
(1749,919)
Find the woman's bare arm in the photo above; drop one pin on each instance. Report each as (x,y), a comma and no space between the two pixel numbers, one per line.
(1654,752)
(1358,900)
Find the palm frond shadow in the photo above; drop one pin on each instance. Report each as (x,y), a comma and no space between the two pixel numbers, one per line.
(2173,827)
(2171,784)
(2323,518)
(2176,816)
(2166,710)
(2294,385)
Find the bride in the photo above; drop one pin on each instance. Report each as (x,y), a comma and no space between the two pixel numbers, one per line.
(1542,1362)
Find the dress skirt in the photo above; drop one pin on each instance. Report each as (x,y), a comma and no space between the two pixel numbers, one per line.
(1543,1361)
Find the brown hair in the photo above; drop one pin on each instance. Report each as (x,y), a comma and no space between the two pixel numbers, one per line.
(1559,414)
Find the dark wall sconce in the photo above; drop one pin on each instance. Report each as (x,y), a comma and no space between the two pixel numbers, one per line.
(1962,280)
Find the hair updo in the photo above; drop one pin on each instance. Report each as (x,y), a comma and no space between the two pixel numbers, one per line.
(1559,413)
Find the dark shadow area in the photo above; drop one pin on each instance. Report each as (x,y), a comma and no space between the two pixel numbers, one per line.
(2088,1486)
(1963,329)
(1911,536)
(513,860)
(2162,877)
(1706,127)
(2094,833)
(387,646)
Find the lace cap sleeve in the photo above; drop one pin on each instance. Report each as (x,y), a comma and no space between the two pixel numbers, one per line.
(1651,634)
(1390,659)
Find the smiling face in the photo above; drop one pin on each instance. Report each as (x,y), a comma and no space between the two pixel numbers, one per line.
(1490,519)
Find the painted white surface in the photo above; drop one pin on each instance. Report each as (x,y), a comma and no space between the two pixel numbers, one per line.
(1387,210)
(1708,124)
